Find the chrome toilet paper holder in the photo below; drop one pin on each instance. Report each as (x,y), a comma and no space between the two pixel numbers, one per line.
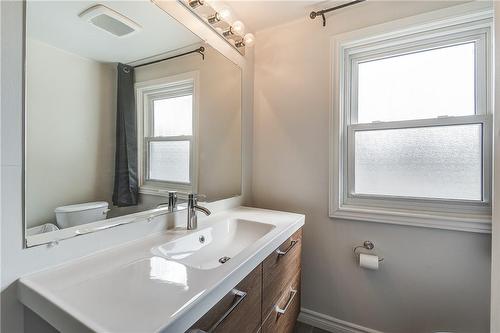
(368,245)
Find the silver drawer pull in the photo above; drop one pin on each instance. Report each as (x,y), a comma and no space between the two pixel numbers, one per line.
(282,253)
(281,311)
(239,296)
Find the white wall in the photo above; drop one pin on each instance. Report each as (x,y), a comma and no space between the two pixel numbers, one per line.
(71,108)
(219,146)
(431,280)
(17,261)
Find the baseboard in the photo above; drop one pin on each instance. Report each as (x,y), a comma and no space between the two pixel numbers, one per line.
(331,324)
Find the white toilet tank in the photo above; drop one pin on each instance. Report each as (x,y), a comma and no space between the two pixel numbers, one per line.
(73,215)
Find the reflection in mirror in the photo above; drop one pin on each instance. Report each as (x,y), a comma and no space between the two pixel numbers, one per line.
(123,105)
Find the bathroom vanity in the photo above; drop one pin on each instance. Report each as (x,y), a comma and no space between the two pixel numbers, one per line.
(266,300)
(239,271)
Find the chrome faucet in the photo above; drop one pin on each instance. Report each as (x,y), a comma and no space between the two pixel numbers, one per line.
(172,201)
(192,219)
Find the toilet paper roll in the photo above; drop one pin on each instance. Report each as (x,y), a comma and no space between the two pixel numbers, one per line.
(368,261)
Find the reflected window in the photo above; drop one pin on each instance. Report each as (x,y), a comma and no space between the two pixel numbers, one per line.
(166,271)
(168,111)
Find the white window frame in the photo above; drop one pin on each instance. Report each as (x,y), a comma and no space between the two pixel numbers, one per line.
(146,93)
(427,31)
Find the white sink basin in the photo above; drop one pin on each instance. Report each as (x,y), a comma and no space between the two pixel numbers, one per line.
(170,276)
(211,247)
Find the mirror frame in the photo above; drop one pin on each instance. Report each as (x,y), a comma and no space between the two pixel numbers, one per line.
(180,13)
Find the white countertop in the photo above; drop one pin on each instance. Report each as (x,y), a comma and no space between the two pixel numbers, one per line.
(132,288)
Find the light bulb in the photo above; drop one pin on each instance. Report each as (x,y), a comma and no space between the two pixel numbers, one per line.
(249,39)
(224,13)
(238,28)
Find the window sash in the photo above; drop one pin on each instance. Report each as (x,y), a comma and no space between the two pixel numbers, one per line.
(477,36)
(185,91)
(483,120)
(147,155)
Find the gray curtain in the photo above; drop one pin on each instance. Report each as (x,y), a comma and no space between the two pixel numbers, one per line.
(126,190)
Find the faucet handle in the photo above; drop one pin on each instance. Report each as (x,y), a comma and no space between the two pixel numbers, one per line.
(172,200)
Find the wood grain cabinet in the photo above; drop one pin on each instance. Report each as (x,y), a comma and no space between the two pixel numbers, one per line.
(266,301)
(278,270)
(284,314)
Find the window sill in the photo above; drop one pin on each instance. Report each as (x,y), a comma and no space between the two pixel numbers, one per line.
(468,223)
(163,192)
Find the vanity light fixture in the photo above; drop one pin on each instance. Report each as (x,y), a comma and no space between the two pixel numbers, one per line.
(196,3)
(229,33)
(221,21)
(214,18)
(238,28)
(225,14)
(249,39)
(240,43)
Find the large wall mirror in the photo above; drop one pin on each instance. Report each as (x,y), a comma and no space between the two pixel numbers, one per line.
(123,104)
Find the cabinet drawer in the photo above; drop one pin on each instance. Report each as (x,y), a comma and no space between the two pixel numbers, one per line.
(279,268)
(284,314)
(238,311)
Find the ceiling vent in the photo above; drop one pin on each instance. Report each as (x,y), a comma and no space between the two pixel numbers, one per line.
(110,21)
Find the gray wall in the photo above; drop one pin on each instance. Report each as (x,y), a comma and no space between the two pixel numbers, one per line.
(70,142)
(219,121)
(431,280)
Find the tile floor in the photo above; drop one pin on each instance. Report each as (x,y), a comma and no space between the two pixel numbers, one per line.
(304,328)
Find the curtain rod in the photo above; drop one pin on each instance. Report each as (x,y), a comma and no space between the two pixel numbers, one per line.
(199,50)
(322,13)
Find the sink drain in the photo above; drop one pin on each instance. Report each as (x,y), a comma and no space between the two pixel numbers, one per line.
(223,260)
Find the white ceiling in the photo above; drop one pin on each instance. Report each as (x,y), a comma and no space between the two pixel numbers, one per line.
(262,14)
(57,23)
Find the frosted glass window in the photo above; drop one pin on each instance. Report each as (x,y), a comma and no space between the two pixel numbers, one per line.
(169,161)
(425,84)
(173,116)
(428,162)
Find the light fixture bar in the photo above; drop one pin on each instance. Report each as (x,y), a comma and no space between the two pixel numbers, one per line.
(196,3)
(214,18)
(220,20)
(228,33)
